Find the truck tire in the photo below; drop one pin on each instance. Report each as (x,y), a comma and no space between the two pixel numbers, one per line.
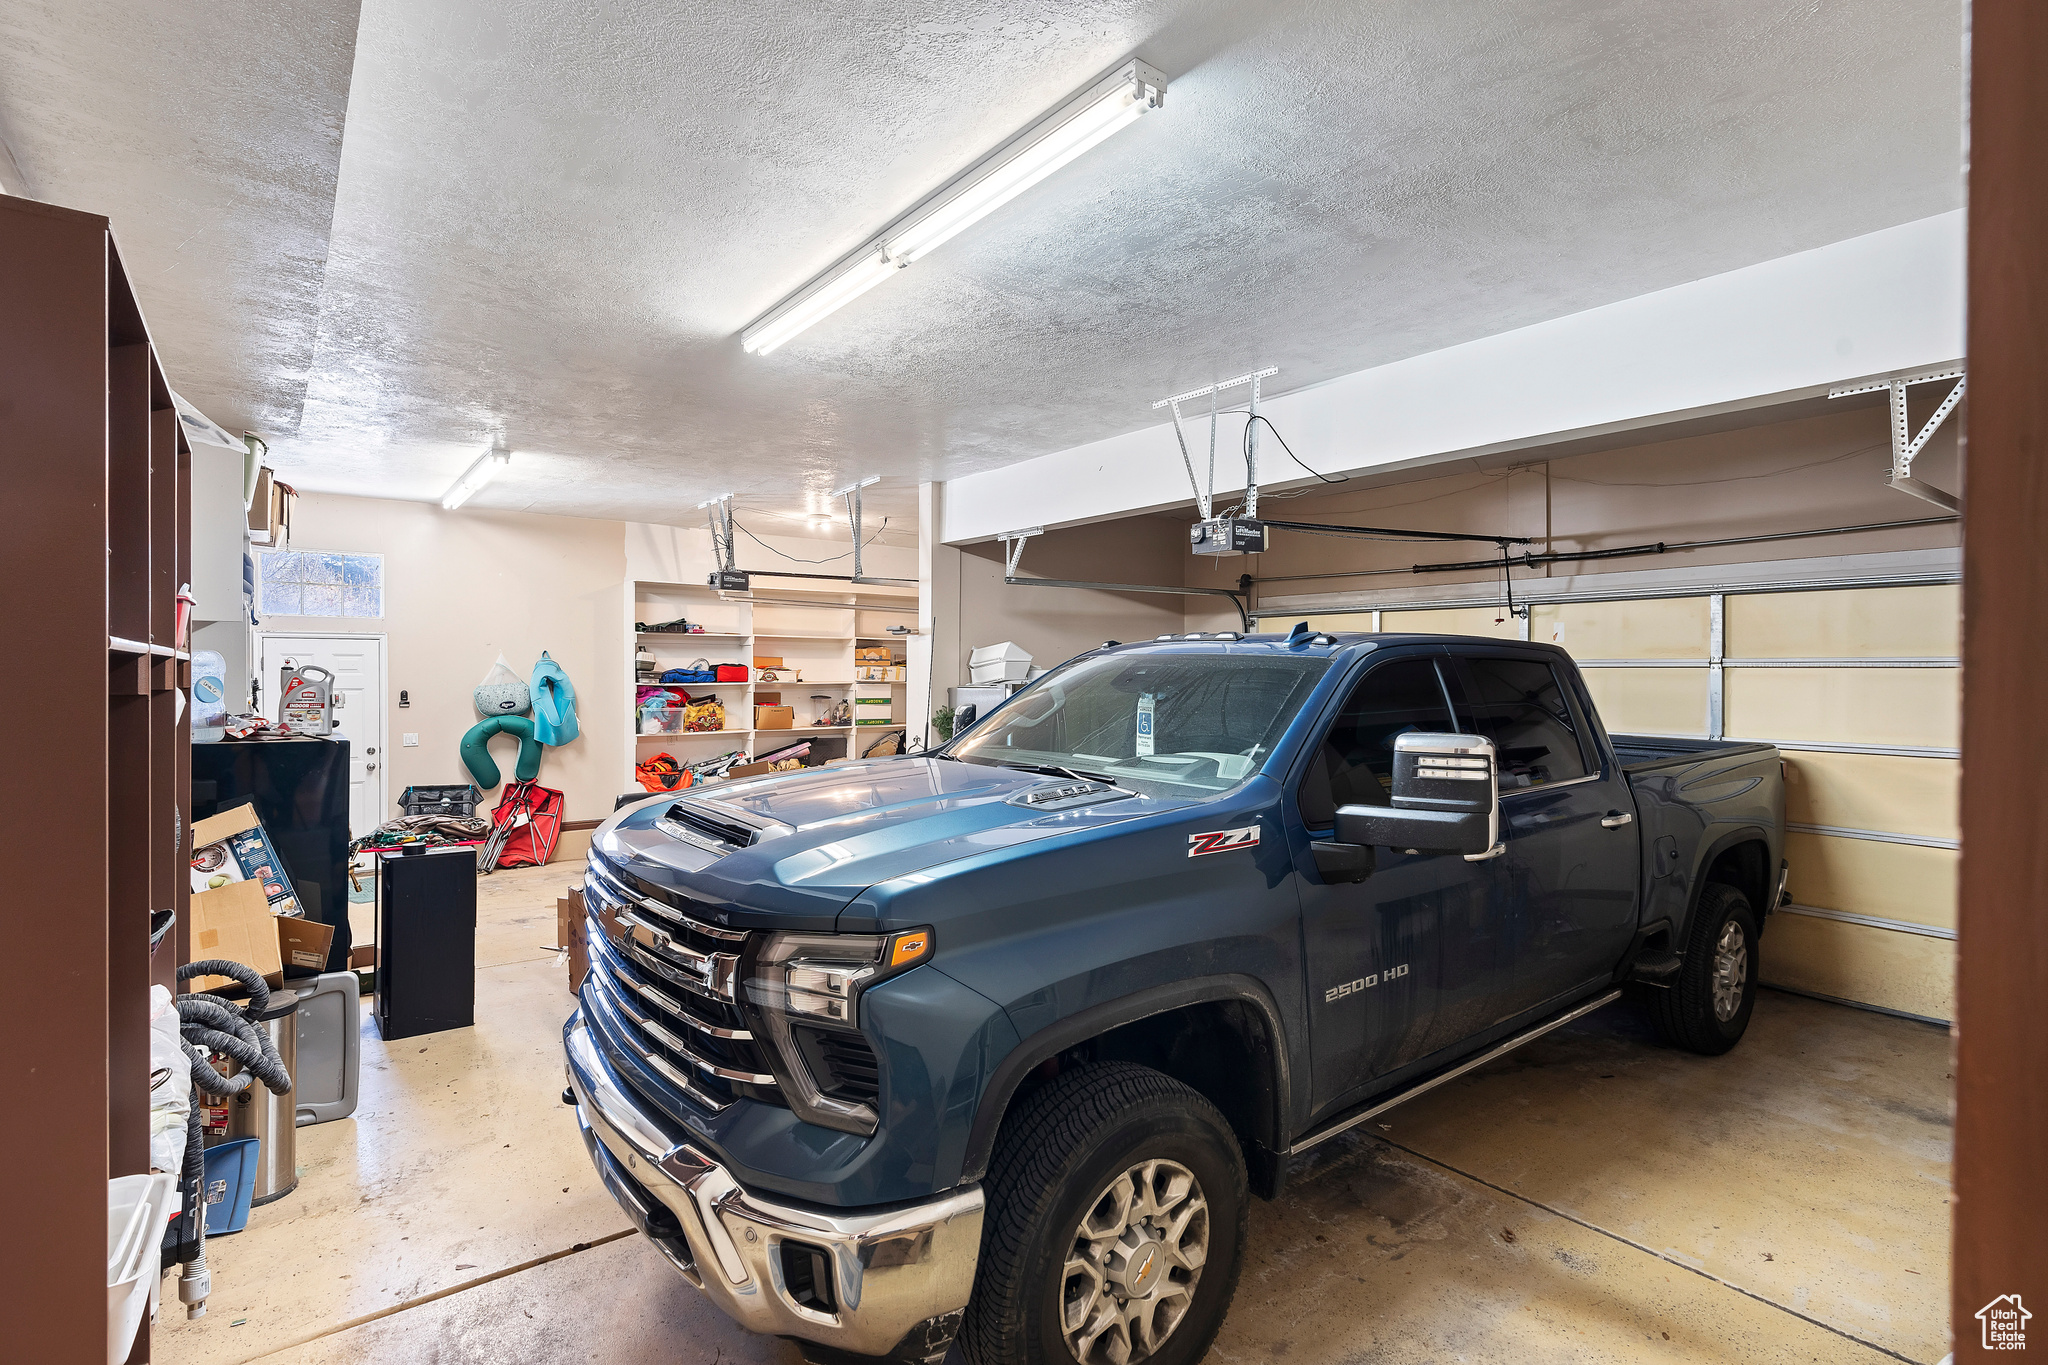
(1116,1222)
(1706,1007)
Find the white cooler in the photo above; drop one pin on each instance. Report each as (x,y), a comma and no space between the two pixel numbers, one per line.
(1001,663)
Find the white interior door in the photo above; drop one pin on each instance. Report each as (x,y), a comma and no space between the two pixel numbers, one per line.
(357,663)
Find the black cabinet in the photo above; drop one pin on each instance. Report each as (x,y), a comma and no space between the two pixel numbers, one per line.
(426,942)
(300,790)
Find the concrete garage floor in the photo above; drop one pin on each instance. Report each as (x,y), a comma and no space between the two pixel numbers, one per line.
(1591,1198)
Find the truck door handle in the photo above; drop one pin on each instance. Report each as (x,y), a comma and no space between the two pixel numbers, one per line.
(1616,819)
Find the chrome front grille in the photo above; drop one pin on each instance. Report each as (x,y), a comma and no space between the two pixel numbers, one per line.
(666,985)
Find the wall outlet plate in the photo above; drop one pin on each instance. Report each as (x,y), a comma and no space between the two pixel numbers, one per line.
(410,740)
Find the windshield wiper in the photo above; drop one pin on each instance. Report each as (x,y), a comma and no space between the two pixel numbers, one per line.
(1056,770)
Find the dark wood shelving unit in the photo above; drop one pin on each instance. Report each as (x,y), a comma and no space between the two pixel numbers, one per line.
(100,755)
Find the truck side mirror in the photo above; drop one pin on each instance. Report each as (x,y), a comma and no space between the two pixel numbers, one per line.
(1446,799)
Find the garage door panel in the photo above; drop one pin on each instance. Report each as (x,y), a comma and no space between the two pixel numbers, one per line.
(1909,707)
(1359,621)
(1922,622)
(1884,792)
(1898,971)
(1455,621)
(1650,701)
(1865,877)
(1652,628)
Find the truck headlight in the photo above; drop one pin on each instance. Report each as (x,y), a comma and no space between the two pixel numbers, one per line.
(816,981)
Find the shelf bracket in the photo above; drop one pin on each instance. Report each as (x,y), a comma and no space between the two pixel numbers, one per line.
(1906,445)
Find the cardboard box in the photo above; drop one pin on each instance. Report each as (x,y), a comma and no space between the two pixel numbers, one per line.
(232,847)
(774,718)
(1006,662)
(878,654)
(234,922)
(767,661)
(767,698)
(750,770)
(572,931)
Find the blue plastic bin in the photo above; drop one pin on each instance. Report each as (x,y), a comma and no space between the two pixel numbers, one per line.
(230,1182)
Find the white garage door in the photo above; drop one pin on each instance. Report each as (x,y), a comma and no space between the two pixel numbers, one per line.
(1860,688)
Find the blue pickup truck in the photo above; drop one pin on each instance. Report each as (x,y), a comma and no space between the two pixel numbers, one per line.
(994,1043)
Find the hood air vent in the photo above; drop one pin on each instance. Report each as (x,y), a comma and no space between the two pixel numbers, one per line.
(706,830)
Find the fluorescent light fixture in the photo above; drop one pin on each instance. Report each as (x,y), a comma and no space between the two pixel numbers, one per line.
(1089,117)
(826,296)
(476,476)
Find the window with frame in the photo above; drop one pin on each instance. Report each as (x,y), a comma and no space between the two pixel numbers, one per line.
(1354,764)
(1520,705)
(319,583)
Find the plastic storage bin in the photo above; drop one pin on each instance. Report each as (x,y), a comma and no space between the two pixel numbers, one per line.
(230,1184)
(330,1047)
(137,1208)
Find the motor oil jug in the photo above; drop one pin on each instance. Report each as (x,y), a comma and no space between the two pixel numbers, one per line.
(306,699)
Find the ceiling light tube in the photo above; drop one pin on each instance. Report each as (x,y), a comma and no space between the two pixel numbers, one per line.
(1115,101)
(832,291)
(476,476)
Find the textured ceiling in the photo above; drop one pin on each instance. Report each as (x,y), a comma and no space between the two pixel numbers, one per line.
(210,135)
(552,220)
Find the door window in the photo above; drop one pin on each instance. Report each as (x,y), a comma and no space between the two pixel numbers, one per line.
(1354,765)
(1518,704)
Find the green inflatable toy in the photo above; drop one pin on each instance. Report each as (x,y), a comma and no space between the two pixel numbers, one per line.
(476,755)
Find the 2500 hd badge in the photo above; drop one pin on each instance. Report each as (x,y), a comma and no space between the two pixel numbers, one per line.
(1364,983)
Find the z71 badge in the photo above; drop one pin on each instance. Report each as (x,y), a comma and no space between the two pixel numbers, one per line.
(1223,840)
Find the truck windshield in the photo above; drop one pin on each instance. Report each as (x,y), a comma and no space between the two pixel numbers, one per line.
(1154,722)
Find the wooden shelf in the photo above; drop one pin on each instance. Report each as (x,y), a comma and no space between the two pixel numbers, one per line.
(689,635)
(99,541)
(790,628)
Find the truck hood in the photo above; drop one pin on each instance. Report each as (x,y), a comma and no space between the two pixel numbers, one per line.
(790,851)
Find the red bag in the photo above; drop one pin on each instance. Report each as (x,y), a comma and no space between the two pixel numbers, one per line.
(527,842)
(663,774)
(731,672)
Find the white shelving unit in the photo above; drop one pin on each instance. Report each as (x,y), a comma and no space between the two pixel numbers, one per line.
(815,633)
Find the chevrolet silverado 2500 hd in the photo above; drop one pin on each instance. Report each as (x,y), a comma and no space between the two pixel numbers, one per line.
(994,1043)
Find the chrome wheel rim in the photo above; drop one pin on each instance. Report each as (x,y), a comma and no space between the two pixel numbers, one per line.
(1731,970)
(1133,1264)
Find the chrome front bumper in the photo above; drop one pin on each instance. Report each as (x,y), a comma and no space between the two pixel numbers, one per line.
(899,1279)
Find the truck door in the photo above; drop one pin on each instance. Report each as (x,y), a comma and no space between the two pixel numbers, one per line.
(1567,883)
(1371,947)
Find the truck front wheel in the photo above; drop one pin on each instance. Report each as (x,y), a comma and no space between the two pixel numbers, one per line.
(1706,1007)
(1116,1218)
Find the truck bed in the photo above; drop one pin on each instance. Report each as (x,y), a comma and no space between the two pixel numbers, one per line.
(1692,796)
(1645,753)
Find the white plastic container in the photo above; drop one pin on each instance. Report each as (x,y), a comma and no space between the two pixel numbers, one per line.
(209,696)
(137,1208)
(1006,662)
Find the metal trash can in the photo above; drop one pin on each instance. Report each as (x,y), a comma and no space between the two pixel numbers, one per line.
(272,1119)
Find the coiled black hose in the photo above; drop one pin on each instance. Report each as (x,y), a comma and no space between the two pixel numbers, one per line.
(207,1024)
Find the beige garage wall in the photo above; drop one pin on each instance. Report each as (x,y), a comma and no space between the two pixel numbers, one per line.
(1055,624)
(459,589)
